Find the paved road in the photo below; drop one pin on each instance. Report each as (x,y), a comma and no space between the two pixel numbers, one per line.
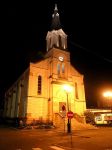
(43,139)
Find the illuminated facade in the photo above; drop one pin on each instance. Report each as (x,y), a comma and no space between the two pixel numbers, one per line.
(39,92)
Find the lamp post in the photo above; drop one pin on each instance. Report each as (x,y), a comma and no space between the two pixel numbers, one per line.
(68,89)
(108,95)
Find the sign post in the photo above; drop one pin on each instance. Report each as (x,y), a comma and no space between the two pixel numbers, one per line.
(70,116)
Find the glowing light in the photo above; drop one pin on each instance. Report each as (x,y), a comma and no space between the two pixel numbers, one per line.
(107,94)
(67,88)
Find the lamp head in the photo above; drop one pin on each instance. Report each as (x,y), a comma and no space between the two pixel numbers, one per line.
(107,94)
(67,88)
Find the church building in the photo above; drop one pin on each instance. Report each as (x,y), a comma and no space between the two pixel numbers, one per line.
(50,87)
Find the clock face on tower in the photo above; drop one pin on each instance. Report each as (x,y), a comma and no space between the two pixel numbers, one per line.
(61,58)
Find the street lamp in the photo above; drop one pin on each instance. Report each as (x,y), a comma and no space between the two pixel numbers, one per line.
(68,89)
(108,95)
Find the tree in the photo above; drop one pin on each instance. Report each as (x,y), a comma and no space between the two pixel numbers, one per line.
(89,117)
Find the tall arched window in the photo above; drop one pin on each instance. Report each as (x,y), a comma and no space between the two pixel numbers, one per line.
(39,85)
(60,44)
(63,68)
(58,68)
(76,91)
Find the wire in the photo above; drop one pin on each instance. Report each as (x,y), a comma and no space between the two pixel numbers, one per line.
(87,50)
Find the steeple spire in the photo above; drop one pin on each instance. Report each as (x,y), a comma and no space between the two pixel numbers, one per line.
(55,19)
(56,36)
(56,7)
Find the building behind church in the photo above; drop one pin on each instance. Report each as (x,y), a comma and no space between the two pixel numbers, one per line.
(39,93)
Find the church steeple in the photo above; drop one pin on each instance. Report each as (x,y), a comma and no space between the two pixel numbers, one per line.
(56,36)
(56,25)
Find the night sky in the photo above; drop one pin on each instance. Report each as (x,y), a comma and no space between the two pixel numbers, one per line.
(88,25)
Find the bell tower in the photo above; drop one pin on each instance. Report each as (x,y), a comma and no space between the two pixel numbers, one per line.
(56,45)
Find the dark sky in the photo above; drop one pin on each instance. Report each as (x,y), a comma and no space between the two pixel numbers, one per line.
(88,25)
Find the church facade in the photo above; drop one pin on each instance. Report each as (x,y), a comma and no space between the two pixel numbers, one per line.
(49,87)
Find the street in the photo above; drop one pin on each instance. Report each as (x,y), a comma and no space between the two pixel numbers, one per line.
(53,139)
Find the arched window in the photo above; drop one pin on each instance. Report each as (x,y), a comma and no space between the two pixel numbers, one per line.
(60,44)
(39,85)
(63,68)
(76,91)
(58,68)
